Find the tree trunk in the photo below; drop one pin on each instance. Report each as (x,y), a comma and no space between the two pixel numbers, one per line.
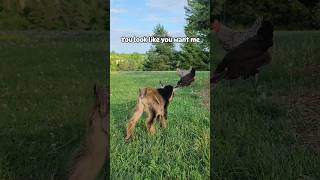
(6,5)
(21,4)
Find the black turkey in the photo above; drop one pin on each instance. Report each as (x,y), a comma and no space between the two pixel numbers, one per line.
(183,72)
(246,59)
(187,77)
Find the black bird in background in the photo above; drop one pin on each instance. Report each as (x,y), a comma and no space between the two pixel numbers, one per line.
(183,72)
(246,59)
(187,77)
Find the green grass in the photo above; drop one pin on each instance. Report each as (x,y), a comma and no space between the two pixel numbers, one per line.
(179,152)
(46,81)
(255,130)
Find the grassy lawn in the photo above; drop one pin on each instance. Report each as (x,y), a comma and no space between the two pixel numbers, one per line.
(179,152)
(268,132)
(46,81)
(271,132)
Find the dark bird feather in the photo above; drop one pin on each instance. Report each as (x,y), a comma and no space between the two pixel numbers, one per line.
(187,78)
(246,59)
(183,72)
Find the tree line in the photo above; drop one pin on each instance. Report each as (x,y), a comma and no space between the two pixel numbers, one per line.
(239,14)
(285,14)
(126,62)
(163,56)
(53,14)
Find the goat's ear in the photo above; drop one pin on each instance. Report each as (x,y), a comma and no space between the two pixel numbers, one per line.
(161,85)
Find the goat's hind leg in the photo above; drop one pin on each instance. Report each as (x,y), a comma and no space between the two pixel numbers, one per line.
(163,121)
(134,120)
(149,123)
(163,118)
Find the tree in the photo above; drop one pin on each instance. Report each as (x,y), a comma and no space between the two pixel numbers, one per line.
(309,3)
(198,20)
(161,55)
(126,62)
(54,14)
(316,16)
(285,14)
(196,54)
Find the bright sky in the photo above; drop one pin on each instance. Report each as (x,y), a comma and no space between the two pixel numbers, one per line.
(139,17)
